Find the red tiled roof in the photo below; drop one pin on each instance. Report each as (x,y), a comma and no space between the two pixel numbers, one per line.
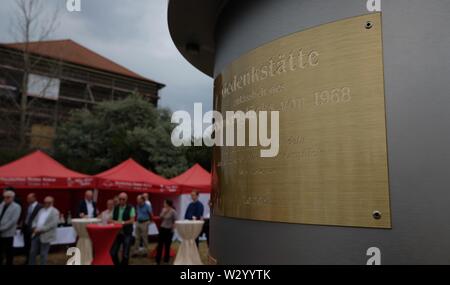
(72,52)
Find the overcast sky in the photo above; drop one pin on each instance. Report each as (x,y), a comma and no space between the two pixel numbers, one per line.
(133,33)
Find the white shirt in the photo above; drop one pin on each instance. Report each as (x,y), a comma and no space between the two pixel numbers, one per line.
(42,217)
(90,209)
(106,215)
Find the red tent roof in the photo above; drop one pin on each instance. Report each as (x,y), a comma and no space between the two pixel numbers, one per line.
(131,176)
(195,178)
(38,170)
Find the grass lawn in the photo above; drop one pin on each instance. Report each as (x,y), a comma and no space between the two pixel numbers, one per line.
(58,256)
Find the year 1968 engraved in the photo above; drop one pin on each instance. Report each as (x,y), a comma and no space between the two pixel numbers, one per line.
(335,96)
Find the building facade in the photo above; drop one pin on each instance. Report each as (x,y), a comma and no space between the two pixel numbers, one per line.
(59,76)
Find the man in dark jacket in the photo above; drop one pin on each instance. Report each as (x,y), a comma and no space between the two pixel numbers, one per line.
(123,214)
(195,210)
(88,208)
(30,216)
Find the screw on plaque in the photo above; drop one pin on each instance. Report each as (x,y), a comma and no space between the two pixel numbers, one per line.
(369,25)
(376,215)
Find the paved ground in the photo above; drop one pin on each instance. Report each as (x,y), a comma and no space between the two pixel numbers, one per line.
(58,256)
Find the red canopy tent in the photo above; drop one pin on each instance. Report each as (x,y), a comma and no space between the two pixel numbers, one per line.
(195,178)
(131,177)
(39,173)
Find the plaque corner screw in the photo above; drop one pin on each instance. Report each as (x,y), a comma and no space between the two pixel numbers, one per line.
(376,215)
(369,25)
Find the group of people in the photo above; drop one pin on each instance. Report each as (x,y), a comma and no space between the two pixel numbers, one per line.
(38,227)
(121,212)
(41,220)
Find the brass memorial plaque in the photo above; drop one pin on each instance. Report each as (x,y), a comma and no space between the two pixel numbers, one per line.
(331,169)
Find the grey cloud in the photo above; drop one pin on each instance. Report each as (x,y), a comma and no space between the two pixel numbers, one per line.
(133,33)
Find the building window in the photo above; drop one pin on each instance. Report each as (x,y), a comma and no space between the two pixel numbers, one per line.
(43,87)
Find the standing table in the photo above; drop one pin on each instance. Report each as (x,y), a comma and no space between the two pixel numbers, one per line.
(84,242)
(188,252)
(102,237)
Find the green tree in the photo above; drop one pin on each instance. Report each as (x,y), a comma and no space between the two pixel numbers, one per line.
(201,155)
(94,141)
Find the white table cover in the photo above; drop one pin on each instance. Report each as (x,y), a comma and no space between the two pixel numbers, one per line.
(153,230)
(64,235)
(84,243)
(188,252)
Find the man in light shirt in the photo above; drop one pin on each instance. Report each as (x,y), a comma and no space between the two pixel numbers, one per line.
(44,231)
(88,207)
(106,215)
(147,200)
(144,218)
(9,216)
